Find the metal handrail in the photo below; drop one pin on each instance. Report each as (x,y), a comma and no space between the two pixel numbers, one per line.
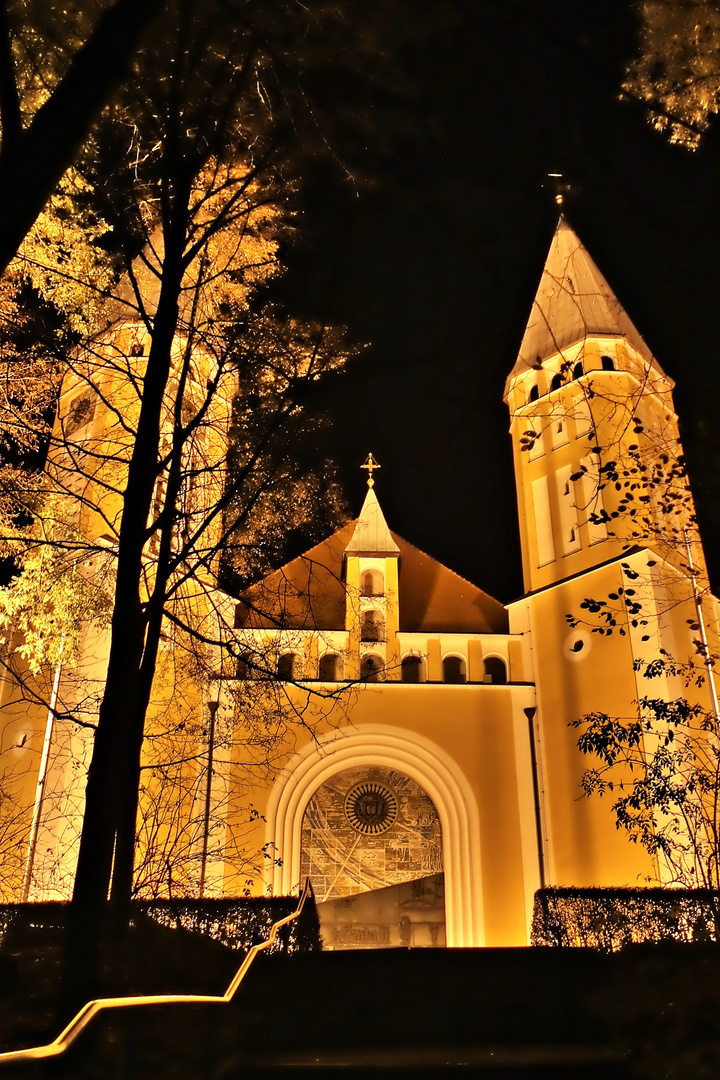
(80,1021)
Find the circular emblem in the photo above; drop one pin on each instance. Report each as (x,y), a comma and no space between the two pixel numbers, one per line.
(371,807)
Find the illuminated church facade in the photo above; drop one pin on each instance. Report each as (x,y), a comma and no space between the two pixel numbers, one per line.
(425,776)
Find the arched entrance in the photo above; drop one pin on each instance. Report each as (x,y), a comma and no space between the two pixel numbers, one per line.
(371,844)
(375,746)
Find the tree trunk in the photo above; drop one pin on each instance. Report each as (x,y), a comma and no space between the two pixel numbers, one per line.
(33,163)
(108,833)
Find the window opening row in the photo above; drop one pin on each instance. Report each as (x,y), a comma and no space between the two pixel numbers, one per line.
(607,362)
(454,670)
(412,668)
(330,668)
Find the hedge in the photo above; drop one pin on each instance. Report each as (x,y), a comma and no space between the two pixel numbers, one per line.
(236,923)
(611,918)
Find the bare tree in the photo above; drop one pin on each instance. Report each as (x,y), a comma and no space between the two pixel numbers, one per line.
(137,477)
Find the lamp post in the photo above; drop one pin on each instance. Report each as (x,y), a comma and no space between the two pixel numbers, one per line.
(213,707)
(40,786)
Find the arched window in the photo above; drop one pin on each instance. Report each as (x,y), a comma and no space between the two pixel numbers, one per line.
(243,669)
(288,666)
(495,670)
(372,583)
(372,626)
(608,364)
(578,370)
(534,393)
(454,670)
(557,381)
(371,668)
(412,670)
(330,668)
(242,612)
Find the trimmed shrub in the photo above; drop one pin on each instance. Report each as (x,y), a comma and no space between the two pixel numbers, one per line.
(611,918)
(236,923)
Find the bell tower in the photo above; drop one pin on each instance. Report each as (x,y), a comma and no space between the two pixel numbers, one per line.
(612,562)
(598,462)
(371,604)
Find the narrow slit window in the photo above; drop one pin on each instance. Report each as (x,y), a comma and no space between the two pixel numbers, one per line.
(568,521)
(543,521)
(243,669)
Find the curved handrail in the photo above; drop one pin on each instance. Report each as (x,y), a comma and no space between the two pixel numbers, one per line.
(80,1021)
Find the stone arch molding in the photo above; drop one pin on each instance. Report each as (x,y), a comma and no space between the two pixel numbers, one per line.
(426,763)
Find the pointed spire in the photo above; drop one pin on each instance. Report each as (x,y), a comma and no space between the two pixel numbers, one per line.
(371,536)
(573,301)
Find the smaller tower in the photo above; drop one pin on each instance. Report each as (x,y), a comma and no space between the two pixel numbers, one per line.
(371,574)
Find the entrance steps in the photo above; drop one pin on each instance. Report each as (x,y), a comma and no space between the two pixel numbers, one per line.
(515,1014)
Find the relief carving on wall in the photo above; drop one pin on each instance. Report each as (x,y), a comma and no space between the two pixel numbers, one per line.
(367,828)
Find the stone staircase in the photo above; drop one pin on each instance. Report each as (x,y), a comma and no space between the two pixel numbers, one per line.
(510,1013)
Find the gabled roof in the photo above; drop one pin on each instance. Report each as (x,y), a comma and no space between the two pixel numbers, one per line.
(434,598)
(305,594)
(309,592)
(573,301)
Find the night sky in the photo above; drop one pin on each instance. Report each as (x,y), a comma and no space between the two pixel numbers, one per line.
(433,252)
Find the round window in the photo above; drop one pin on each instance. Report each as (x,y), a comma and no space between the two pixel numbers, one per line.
(577,645)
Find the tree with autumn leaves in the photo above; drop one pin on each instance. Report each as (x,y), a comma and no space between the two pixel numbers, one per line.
(676,73)
(181,200)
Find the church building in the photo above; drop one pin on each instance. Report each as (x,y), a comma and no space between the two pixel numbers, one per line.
(412,753)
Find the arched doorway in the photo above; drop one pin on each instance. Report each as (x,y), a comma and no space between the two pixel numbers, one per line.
(371,843)
(439,775)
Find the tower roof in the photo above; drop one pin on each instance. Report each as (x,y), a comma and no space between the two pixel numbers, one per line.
(371,535)
(573,302)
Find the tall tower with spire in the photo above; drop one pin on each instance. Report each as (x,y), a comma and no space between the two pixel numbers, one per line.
(597,454)
(613,565)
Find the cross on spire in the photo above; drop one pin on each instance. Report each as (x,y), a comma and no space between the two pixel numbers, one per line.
(370,464)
